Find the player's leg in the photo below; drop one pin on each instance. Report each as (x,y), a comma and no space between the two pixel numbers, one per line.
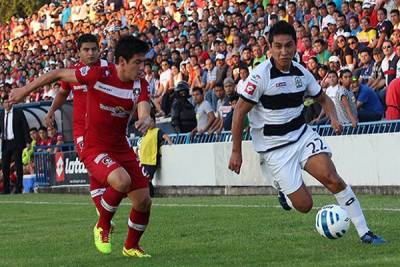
(283,167)
(141,204)
(96,188)
(119,183)
(137,223)
(96,192)
(322,168)
(301,199)
(107,172)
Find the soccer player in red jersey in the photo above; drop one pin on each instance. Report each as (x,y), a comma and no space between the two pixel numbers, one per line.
(89,53)
(114,93)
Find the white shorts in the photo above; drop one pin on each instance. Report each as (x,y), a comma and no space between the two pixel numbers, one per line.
(283,166)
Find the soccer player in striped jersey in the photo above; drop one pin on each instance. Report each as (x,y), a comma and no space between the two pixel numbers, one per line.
(273,96)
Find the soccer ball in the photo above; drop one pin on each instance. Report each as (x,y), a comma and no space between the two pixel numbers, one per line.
(332,221)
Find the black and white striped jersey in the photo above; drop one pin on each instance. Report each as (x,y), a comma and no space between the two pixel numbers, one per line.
(277,118)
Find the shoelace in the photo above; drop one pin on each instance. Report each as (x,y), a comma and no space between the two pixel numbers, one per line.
(105,237)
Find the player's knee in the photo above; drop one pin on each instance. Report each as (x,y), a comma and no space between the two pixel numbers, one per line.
(305,206)
(334,183)
(144,204)
(122,183)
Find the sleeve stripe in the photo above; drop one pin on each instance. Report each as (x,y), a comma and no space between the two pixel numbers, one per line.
(317,95)
(248,100)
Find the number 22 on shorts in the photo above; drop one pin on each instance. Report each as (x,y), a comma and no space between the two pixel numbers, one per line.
(316,145)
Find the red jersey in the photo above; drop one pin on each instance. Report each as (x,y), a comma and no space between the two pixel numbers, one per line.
(45,142)
(110,103)
(79,91)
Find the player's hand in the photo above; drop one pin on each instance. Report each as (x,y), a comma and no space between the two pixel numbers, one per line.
(144,124)
(235,162)
(49,119)
(337,126)
(17,95)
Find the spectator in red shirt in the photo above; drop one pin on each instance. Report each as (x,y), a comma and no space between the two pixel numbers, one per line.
(308,50)
(393,100)
(45,140)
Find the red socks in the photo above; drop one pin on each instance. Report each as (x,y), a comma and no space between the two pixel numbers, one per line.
(137,225)
(108,206)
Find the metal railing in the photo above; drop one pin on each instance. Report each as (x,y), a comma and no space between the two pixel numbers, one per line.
(377,127)
(44,161)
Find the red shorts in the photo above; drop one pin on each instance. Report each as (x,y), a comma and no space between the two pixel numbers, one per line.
(95,187)
(100,164)
(78,141)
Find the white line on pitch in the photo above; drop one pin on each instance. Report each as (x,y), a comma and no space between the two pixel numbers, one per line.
(173,205)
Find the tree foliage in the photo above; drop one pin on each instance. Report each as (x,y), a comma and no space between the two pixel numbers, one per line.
(19,8)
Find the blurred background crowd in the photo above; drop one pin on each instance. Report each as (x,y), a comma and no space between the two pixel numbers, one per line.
(351,47)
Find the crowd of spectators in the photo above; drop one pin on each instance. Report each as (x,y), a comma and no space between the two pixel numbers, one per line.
(351,47)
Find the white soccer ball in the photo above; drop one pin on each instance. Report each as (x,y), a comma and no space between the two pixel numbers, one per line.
(332,221)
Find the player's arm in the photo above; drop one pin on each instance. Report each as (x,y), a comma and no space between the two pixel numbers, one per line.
(330,110)
(58,101)
(241,109)
(144,121)
(66,75)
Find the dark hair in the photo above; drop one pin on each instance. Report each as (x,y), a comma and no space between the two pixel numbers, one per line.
(234,97)
(344,71)
(355,18)
(331,4)
(86,38)
(365,50)
(199,89)
(383,10)
(33,129)
(43,129)
(128,46)
(244,67)
(333,72)
(320,41)
(395,11)
(281,27)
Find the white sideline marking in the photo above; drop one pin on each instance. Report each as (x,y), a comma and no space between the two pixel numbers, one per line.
(173,205)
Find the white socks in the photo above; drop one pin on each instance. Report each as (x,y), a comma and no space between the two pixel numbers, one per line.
(349,202)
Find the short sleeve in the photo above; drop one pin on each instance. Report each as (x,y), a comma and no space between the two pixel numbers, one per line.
(313,88)
(362,96)
(207,107)
(66,86)
(144,91)
(87,75)
(252,89)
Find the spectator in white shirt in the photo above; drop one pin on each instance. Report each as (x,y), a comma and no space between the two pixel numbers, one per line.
(204,112)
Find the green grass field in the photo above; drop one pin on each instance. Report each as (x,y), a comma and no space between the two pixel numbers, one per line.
(56,230)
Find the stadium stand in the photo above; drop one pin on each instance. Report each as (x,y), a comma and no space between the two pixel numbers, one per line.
(208,44)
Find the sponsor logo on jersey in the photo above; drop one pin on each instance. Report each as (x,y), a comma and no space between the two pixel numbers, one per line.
(298,82)
(113,91)
(250,88)
(281,84)
(105,159)
(80,87)
(117,111)
(136,91)
(84,70)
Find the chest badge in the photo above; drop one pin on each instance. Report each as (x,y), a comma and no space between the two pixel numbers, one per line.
(298,82)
